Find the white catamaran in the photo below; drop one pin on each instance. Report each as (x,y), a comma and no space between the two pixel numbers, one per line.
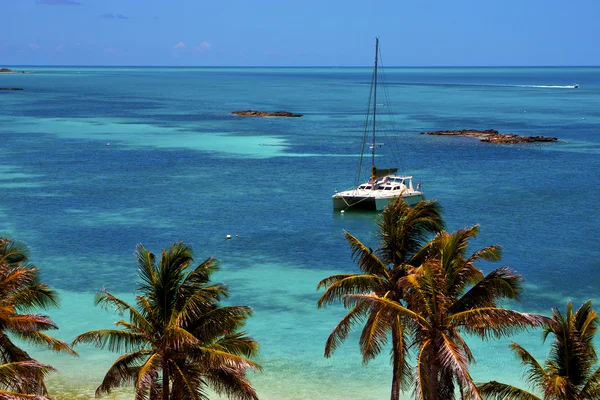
(383,186)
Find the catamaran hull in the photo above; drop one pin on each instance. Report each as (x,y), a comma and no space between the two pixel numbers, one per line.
(371,203)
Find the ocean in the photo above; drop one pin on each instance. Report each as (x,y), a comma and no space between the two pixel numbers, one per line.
(96,160)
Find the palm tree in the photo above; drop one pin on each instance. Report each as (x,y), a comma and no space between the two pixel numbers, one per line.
(16,375)
(178,340)
(20,293)
(446,295)
(402,231)
(569,372)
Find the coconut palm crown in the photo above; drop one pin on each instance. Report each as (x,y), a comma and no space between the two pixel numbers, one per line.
(402,231)
(177,340)
(445,296)
(569,372)
(21,292)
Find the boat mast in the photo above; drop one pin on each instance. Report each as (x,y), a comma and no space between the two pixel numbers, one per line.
(373,169)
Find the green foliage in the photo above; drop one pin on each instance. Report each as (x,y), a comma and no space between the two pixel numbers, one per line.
(568,372)
(402,231)
(21,292)
(424,294)
(178,339)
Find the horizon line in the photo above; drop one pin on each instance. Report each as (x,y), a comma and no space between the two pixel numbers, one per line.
(300,66)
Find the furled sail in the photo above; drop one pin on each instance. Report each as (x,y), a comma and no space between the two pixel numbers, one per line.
(378,173)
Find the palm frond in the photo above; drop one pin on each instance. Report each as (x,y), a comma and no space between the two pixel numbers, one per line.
(11,352)
(215,359)
(422,378)
(498,284)
(201,274)
(499,391)
(399,352)
(107,300)
(367,260)
(178,338)
(536,374)
(374,334)
(487,322)
(490,253)
(13,251)
(146,264)
(185,383)
(420,290)
(586,323)
(403,229)
(356,315)
(28,323)
(220,321)
(195,304)
(34,296)
(452,359)
(390,306)
(123,371)
(332,279)
(118,341)
(42,339)
(351,284)
(233,384)
(591,388)
(147,371)
(237,343)
(14,374)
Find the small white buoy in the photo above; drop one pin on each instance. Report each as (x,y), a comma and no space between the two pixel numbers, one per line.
(341,212)
(228,237)
(236,235)
(108,144)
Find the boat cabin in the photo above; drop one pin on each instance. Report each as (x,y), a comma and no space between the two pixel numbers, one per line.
(389,183)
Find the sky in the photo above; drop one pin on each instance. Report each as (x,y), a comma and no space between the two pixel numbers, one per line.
(299,33)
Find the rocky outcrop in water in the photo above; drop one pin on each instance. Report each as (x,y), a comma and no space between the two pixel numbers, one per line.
(250,113)
(493,136)
(11,88)
(12,71)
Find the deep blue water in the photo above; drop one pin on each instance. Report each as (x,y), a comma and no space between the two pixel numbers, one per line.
(181,167)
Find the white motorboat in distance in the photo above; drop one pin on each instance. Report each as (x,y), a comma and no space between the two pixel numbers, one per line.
(383,186)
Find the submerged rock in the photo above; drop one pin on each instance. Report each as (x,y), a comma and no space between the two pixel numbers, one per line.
(493,136)
(250,113)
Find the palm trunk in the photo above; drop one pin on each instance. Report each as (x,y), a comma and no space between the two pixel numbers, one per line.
(397,361)
(396,376)
(165,388)
(433,381)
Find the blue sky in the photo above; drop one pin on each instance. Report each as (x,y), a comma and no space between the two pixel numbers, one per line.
(299,33)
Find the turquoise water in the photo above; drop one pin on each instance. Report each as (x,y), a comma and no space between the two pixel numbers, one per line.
(181,167)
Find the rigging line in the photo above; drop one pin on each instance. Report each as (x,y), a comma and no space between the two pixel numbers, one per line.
(373,174)
(365,132)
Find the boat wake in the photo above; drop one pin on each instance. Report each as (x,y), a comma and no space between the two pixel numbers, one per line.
(491,85)
(575,86)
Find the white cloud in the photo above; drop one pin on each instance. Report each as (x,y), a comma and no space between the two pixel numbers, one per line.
(204,46)
(179,45)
